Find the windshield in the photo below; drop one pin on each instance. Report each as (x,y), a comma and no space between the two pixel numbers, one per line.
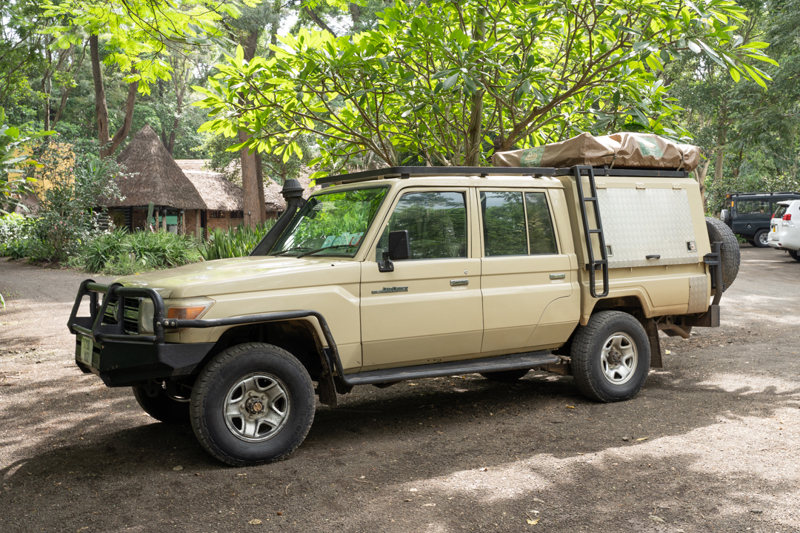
(331,223)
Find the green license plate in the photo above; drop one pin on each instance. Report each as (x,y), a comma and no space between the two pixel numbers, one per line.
(87,349)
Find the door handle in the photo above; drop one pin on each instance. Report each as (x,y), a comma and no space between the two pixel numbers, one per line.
(459,282)
(558,276)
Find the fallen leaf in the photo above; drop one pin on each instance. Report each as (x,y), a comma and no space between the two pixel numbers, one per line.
(279,513)
(643,438)
(533,522)
(429,505)
(570,407)
(655,518)
(255,522)
(178,468)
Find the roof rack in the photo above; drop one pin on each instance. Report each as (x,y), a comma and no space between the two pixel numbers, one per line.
(761,193)
(435,172)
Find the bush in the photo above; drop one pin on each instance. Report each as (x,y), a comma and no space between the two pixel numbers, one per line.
(236,242)
(119,252)
(15,231)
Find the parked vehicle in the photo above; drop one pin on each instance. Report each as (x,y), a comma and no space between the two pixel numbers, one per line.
(749,213)
(785,228)
(412,272)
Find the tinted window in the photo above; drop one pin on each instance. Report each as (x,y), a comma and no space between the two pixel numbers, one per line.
(503,223)
(436,224)
(540,226)
(780,211)
(752,207)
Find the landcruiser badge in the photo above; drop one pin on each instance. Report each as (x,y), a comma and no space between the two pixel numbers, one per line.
(391,289)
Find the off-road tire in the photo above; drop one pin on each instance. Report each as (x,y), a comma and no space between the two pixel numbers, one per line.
(718,231)
(506,376)
(760,238)
(794,254)
(212,392)
(588,352)
(161,406)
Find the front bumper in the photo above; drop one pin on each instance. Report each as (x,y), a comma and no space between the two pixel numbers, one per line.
(119,357)
(124,363)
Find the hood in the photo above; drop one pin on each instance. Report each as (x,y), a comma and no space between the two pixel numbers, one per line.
(243,274)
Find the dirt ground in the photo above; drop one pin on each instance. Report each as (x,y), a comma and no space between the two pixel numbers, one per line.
(710,444)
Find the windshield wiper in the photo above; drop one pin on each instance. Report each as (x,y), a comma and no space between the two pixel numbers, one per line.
(325,248)
(293,249)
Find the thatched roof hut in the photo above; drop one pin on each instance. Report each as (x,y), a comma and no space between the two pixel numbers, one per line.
(218,193)
(155,176)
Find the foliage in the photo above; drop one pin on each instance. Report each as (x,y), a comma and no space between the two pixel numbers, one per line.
(487,76)
(72,182)
(119,252)
(15,146)
(14,230)
(235,242)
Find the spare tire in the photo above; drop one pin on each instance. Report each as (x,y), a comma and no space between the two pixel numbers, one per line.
(718,231)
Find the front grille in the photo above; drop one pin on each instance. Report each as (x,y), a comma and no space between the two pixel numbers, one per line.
(130,316)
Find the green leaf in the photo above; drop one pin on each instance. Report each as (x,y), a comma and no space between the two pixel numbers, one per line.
(449,82)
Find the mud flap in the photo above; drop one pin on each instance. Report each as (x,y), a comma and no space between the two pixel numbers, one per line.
(651,329)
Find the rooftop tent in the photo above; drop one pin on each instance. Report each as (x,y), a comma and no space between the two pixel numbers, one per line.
(620,150)
(153,176)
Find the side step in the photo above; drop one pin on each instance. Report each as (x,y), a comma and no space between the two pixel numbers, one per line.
(435,370)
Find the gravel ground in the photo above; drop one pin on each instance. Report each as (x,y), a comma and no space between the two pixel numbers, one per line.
(710,444)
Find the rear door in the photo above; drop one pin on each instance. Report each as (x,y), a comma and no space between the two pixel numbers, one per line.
(525,273)
(429,308)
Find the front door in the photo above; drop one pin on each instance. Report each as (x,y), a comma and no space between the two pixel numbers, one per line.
(429,308)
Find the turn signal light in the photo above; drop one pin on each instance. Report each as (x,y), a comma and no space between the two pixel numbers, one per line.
(185,313)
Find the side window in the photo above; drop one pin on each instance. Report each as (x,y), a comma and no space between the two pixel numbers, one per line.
(436,224)
(503,224)
(752,207)
(540,226)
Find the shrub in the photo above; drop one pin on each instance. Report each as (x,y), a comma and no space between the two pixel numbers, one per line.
(236,242)
(119,252)
(15,231)
(72,181)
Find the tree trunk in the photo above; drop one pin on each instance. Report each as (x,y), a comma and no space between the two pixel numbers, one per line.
(107,147)
(100,109)
(318,20)
(700,175)
(472,152)
(252,176)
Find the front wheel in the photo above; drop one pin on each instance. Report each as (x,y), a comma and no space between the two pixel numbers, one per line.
(252,404)
(610,357)
(794,254)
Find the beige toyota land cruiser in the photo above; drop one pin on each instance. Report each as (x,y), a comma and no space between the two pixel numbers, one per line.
(412,272)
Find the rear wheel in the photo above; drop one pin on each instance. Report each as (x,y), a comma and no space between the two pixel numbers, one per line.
(761,238)
(795,254)
(610,357)
(506,376)
(252,404)
(155,401)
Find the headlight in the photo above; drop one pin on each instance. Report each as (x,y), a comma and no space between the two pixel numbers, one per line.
(184,308)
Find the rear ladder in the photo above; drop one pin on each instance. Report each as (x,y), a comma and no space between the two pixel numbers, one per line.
(583,200)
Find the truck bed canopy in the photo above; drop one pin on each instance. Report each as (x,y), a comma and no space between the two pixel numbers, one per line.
(625,149)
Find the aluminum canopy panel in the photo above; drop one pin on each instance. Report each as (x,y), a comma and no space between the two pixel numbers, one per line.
(642,222)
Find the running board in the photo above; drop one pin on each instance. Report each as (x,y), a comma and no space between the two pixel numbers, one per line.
(435,370)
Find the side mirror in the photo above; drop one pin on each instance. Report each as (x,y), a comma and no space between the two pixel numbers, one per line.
(399,248)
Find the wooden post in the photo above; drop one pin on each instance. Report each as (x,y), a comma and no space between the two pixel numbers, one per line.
(164,220)
(197,231)
(182,226)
